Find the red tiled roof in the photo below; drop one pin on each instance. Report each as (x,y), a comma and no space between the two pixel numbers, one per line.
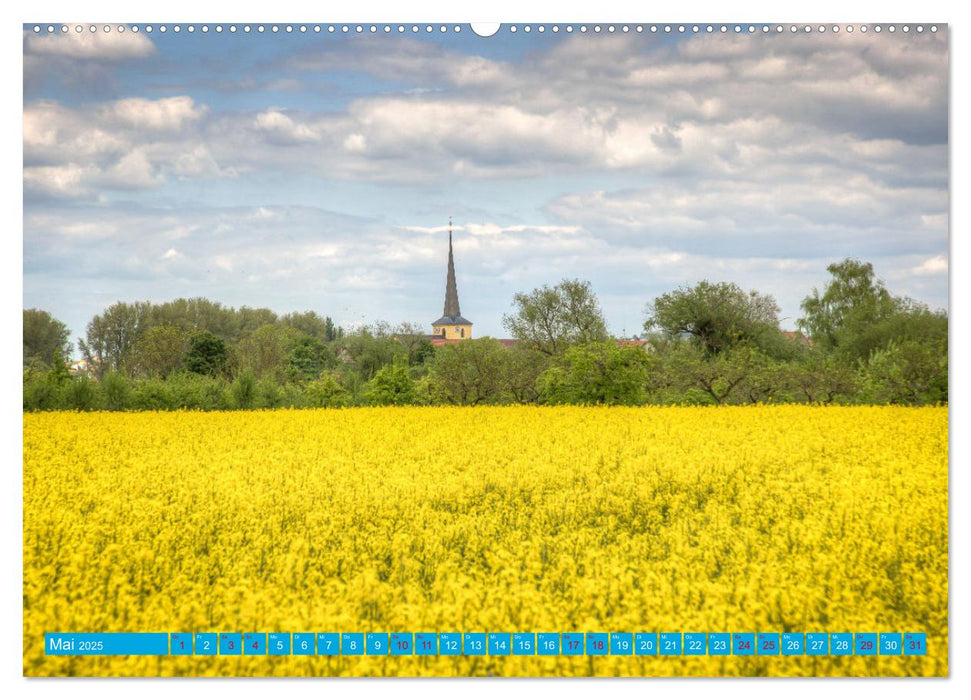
(798,337)
(438,342)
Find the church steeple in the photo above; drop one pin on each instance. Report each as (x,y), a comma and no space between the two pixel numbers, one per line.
(451,289)
(451,326)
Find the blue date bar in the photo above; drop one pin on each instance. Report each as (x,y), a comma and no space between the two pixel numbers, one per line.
(106,643)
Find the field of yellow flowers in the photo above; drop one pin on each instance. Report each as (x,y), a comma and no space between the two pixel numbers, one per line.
(500,519)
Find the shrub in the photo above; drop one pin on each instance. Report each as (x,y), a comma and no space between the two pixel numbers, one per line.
(600,373)
(152,395)
(391,386)
(269,394)
(243,390)
(908,373)
(41,393)
(194,391)
(207,354)
(79,394)
(326,392)
(471,372)
(116,392)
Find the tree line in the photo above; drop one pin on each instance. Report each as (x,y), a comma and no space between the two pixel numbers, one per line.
(709,343)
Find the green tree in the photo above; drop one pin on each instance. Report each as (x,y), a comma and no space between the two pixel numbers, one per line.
(309,323)
(765,382)
(470,372)
(266,351)
(111,337)
(244,390)
(160,351)
(369,349)
(550,319)
(523,366)
(309,356)
(153,395)
(79,394)
(391,386)
(420,352)
(416,344)
(44,391)
(198,314)
(326,391)
(715,379)
(43,336)
(196,391)
(819,378)
(907,372)
(427,392)
(717,316)
(206,354)
(910,321)
(58,373)
(856,316)
(853,298)
(664,383)
(598,373)
(269,394)
(249,320)
(115,392)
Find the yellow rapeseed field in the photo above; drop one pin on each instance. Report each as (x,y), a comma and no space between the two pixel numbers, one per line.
(505,519)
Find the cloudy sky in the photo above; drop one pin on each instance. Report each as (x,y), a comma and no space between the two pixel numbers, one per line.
(318,171)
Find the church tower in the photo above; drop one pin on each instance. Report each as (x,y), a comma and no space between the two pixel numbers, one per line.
(451,326)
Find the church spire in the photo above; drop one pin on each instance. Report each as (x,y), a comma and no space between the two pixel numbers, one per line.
(451,326)
(451,289)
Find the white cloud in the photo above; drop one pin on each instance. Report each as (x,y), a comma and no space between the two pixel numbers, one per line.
(262,213)
(355,143)
(738,217)
(364,268)
(282,130)
(932,266)
(417,61)
(166,114)
(54,133)
(198,162)
(56,180)
(101,46)
(132,171)
(493,229)
(639,165)
(738,106)
(119,145)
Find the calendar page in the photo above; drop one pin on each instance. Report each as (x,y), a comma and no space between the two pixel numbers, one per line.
(451,350)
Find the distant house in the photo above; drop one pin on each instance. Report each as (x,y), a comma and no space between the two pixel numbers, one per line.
(798,337)
(438,341)
(80,368)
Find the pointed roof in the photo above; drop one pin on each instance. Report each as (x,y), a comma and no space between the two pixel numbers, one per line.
(452,315)
(451,289)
